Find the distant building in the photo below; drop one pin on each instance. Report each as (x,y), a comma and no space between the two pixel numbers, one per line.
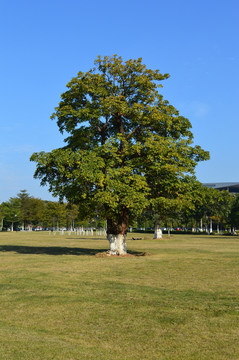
(232,187)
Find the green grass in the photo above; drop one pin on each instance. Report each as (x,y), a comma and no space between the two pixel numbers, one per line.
(60,301)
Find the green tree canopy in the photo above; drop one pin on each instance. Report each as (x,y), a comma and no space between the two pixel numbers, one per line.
(125,144)
(54,214)
(234,213)
(11,210)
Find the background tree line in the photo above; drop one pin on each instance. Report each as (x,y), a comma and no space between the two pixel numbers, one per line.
(201,209)
(26,212)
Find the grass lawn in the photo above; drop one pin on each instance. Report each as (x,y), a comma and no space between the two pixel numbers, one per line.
(60,301)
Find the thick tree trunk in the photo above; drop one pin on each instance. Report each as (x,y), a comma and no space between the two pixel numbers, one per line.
(116,234)
(157,231)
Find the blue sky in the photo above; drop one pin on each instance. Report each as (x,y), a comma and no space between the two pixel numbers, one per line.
(44,44)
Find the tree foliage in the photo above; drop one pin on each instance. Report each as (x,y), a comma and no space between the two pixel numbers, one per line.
(10,210)
(234,214)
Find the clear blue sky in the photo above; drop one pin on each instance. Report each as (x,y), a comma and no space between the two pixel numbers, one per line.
(45,43)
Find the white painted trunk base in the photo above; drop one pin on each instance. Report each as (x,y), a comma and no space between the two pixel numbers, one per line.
(117,244)
(157,232)
(200,226)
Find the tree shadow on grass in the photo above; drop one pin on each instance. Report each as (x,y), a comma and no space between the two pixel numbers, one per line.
(56,250)
(51,250)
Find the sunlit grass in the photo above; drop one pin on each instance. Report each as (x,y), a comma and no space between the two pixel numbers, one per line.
(60,301)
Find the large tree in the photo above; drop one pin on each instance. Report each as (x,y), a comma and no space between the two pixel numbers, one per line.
(125,144)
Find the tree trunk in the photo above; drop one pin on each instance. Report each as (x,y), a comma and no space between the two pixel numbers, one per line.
(117,244)
(210,228)
(116,234)
(200,226)
(157,231)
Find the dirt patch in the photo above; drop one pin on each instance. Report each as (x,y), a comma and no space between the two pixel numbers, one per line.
(106,254)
